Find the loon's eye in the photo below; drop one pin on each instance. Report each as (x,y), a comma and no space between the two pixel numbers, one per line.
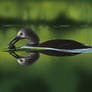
(21,60)
(21,33)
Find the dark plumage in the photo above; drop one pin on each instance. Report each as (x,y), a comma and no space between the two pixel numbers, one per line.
(27,33)
(62,44)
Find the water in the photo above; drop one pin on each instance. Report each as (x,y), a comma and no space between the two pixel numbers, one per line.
(48,74)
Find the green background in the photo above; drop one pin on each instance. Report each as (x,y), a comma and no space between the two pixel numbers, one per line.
(66,19)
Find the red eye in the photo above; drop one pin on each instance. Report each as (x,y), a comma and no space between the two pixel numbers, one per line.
(21,33)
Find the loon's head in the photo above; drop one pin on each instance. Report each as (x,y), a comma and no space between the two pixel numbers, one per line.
(25,33)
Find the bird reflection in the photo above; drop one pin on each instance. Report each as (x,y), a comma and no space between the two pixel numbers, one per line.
(64,47)
(28,60)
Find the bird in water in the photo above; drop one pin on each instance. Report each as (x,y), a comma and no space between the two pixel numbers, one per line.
(34,41)
(33,38)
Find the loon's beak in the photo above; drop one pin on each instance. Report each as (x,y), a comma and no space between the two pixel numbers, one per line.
(16,39)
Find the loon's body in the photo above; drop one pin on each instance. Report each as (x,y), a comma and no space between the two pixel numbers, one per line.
(27,33)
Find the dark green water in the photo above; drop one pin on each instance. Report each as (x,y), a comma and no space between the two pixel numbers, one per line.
(50,20)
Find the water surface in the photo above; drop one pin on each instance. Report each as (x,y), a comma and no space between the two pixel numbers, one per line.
(50,20)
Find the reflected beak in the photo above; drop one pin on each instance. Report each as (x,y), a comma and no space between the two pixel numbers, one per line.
(14,54)
(12,42)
